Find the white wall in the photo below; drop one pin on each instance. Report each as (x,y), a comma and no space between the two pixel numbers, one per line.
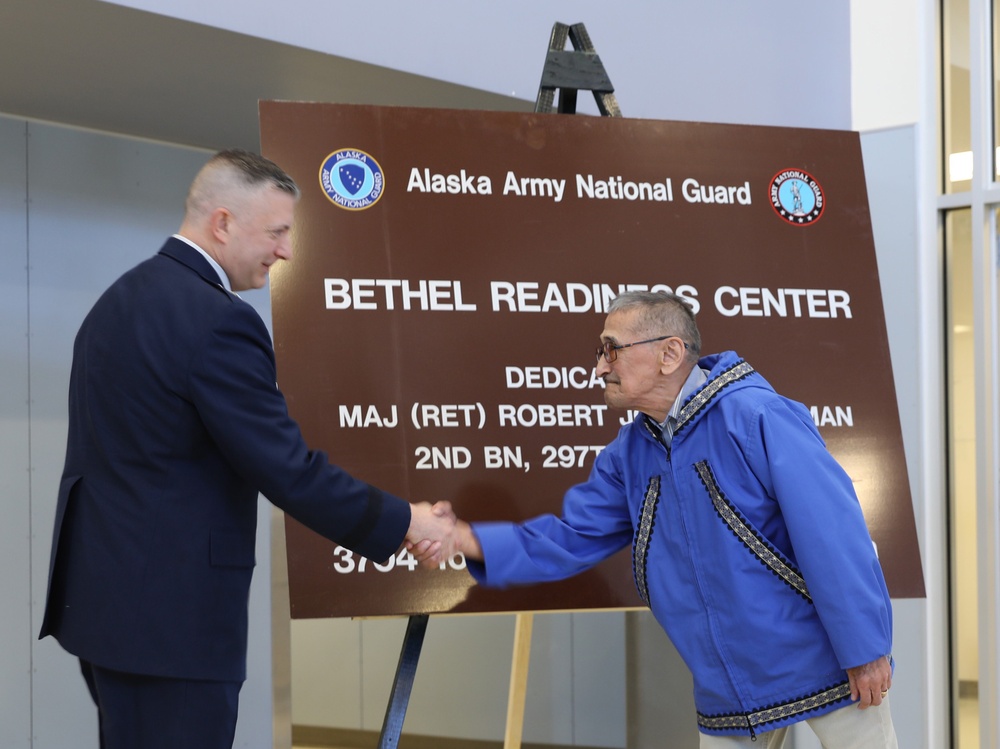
(886,48)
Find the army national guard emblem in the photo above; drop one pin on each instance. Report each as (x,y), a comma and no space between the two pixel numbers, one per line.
(797,197)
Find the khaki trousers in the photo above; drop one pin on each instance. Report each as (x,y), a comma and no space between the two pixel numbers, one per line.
(846,728)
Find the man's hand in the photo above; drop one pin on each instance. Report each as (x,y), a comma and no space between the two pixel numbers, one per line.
(870,682)
(431,536)
(430,553)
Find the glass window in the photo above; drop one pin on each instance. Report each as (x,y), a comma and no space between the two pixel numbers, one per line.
(995,88)
(962,477)
(955,77)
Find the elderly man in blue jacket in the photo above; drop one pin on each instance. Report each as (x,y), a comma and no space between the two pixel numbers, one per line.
(749,544)
(175,425)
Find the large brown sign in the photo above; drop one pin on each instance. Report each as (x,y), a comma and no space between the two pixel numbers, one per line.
(435,330)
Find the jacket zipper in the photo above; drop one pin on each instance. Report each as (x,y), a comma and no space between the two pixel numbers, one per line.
(667,447)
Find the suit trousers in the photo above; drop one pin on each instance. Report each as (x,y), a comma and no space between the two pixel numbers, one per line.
(846,728)
(150,712)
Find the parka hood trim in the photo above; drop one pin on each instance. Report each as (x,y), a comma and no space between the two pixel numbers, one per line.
(701,399)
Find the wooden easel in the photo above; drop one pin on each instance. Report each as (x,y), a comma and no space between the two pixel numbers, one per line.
(574,70)
(569,71)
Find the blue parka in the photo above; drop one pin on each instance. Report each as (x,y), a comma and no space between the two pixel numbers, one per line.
(749,545)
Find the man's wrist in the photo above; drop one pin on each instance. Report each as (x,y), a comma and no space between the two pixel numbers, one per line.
(467,541)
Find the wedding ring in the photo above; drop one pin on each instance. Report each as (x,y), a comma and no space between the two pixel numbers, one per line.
(885,692)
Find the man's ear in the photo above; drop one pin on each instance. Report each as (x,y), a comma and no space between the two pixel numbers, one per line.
(220,223)
(672,355)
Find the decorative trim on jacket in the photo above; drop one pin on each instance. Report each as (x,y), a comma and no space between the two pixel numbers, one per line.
(644,529)
(768,556)
(772,713)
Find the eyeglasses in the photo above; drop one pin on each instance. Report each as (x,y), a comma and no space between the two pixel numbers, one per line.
(610,350)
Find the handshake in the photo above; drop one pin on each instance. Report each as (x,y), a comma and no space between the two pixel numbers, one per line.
(436,534)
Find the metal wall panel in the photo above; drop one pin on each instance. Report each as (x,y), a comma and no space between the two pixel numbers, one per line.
(15,612)
(890,158)
(98,204)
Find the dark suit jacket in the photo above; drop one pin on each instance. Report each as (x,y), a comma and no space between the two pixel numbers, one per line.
(175,424)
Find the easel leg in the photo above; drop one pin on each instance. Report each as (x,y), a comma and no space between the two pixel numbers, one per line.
(518,681)
(402,685)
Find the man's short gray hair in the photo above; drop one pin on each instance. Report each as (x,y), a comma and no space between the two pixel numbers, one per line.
(661,313)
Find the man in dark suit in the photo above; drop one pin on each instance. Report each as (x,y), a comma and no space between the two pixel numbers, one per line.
(175,425)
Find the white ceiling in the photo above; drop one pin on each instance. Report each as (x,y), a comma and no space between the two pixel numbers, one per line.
(195,76)
(779,62)
(102,66)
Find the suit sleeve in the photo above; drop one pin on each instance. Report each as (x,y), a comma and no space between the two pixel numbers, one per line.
(233,386)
